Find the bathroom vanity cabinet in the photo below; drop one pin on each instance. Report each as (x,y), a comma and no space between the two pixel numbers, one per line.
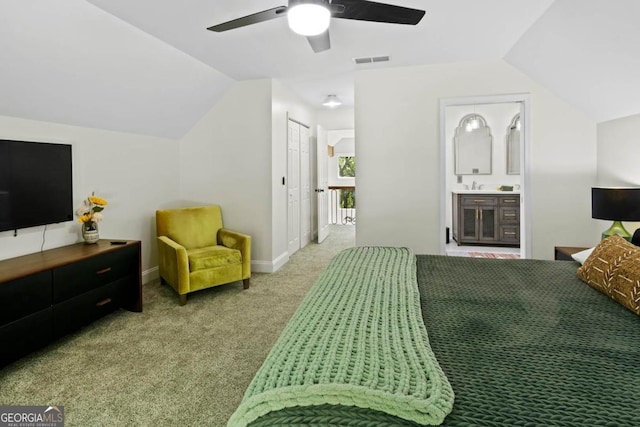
(486,218)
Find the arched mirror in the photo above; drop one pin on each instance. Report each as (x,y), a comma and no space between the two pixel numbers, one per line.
(513,146)
(472,144)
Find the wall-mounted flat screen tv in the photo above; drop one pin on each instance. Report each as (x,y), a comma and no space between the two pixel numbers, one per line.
(35,184)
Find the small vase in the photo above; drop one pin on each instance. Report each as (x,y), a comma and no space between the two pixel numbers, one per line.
(90,232)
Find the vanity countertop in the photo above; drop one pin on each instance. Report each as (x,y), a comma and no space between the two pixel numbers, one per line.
(483,191)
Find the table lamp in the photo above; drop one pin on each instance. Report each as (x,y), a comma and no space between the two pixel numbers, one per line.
(616,204)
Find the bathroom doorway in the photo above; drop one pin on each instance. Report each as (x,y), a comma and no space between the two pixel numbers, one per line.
(484,176)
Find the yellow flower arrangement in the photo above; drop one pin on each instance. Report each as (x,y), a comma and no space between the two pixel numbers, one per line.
(89,212)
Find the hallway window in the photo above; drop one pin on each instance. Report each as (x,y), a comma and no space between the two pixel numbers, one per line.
(348,198)
(347,167)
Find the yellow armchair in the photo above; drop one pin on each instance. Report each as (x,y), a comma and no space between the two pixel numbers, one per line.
(195,251)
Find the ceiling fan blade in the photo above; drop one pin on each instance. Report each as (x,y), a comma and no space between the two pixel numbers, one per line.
(363,10)
(265,15)
(320,43)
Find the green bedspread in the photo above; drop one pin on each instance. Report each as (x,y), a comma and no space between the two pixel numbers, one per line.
(356,352)
(526,343)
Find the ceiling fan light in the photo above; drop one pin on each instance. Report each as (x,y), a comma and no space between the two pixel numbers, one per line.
(332,101)
(308,19)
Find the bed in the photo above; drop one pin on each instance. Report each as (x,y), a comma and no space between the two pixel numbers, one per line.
(518,342)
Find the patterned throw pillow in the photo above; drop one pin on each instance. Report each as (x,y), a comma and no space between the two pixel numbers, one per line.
(613,268)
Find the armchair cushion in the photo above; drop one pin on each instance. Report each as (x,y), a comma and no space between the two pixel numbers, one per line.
(212,256)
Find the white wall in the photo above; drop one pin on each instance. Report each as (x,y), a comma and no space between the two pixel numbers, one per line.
(336,118)
(226,159)
(236,157)
(399,159)
(135,173)
(619,157)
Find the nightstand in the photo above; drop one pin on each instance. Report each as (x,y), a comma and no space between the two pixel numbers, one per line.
(563,253)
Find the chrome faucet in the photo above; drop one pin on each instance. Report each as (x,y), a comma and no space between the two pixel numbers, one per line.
(474,186)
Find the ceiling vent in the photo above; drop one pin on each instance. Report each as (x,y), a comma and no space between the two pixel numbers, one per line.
(371,59)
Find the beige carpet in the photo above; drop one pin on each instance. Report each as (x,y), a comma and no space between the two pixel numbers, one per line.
(170,365)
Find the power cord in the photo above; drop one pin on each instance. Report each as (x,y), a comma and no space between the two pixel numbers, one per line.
(43,233)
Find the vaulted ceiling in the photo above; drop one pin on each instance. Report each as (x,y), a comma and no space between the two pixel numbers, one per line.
(151,67)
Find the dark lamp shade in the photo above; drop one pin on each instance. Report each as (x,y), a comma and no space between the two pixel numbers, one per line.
(615,204)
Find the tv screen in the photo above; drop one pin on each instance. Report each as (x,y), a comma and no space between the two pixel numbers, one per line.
(35,184)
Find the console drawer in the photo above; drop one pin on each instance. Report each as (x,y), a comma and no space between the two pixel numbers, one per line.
(25,335)
(71,314)
(23,296)
(75,279)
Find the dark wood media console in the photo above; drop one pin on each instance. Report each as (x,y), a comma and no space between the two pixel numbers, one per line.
(46,295)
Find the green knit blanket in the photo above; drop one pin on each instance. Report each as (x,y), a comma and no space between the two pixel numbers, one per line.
(357,340)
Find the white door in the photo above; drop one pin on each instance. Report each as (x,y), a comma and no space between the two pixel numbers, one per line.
(293,187)
(323,184)
(305,187)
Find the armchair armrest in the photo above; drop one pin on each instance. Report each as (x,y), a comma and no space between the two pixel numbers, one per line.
(241,242)
(173,264)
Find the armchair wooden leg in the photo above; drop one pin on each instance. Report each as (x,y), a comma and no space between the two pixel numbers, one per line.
(183,299)
(246,283)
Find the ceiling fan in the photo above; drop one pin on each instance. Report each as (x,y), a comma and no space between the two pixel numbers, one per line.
(311,18)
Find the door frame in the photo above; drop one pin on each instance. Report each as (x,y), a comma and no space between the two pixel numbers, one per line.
(524,99)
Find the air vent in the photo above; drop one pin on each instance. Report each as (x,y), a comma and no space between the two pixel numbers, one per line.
(371,59)
(362,60)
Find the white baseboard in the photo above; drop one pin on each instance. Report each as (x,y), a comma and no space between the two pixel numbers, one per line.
(150,275)
(270,266)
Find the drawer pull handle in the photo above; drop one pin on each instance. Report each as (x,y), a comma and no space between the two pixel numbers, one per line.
(510,233)
(103,302)
(104,270)
(509,214)
(479,201)
(509,200)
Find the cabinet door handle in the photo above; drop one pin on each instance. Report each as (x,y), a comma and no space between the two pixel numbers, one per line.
(104,270)
(510,233)
(509,214)
(103,302)
(477,213)
(480,214)
(509,200)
